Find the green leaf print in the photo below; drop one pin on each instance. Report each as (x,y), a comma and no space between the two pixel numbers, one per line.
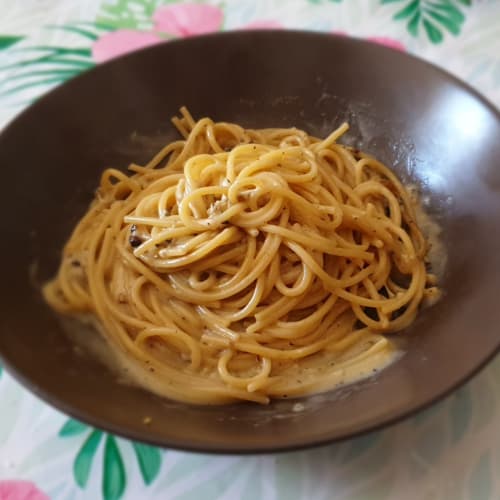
(43,66)
(451,27)
(51,59)
(130,14)
(72,428)
(413,23)
(114,474)
(409,10)
(433,33)
(114,478)
(149,459)
(6,41)
(63,74)
(78,31)
(452,12)
(85,457)
(433,16)
(32,84)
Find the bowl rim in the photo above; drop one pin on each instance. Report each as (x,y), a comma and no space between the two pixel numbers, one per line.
(292,445)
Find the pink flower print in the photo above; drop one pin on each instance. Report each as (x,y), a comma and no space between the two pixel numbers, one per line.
(117,43)
(169,21)
(263,25)
(187,19)
(388,42)
(20,490)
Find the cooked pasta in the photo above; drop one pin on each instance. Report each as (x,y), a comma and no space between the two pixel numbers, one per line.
(247,264)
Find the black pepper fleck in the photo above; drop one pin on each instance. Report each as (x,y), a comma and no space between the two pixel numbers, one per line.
(134,241)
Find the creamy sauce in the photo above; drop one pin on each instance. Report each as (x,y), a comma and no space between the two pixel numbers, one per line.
(128,370)
(346,375)
(89,339)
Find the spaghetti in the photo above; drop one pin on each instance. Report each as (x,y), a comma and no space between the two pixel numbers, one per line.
(247,264)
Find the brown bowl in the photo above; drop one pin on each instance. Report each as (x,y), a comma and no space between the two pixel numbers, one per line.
(434,130)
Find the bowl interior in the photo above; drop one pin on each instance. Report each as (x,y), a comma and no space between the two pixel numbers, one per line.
(430,128)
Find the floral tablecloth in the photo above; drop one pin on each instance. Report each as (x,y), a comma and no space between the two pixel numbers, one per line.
(451,451)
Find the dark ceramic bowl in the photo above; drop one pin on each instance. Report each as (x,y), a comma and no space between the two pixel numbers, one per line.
(434,130)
